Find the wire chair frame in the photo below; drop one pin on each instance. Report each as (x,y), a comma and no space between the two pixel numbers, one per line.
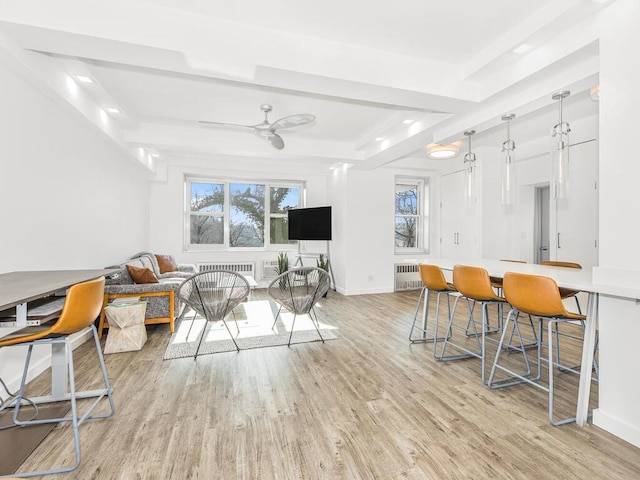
(298,290)
(213,295)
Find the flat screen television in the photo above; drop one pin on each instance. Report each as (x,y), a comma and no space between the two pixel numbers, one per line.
(310,223)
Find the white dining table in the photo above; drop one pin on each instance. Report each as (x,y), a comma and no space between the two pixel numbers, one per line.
(572,278)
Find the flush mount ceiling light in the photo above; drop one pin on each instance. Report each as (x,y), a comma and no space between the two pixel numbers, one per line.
(440,152)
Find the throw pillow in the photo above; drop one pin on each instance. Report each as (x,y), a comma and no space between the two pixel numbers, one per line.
(141,275)
(166,263)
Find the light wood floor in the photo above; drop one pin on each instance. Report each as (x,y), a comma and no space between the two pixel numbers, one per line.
(366,406)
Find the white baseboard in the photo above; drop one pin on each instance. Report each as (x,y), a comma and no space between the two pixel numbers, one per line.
(615,426)
(364,291)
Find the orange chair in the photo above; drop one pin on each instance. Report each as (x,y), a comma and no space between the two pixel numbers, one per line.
(433,281)
(564,294)
(496,282)
(81,308)
(538,296)
(474,285)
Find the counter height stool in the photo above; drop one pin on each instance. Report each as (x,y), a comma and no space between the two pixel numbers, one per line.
(81,308)
(433,281)
(474,285)
(564,294)
(538,296)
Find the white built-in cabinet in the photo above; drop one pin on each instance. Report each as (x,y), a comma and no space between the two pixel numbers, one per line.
(574,230)
(456,221)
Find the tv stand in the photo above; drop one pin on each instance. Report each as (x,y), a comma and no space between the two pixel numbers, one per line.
(300,256)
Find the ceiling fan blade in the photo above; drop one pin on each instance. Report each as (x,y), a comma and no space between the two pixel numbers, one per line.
(293,121)
(275,141)
(222,124)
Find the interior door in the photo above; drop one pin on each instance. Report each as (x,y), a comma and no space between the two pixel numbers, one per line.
(542,228)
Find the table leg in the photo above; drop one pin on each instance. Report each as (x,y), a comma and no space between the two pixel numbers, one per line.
(587,359)
(59,371)
(425,312)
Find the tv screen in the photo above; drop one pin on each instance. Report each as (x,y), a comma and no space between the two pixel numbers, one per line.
(310,223)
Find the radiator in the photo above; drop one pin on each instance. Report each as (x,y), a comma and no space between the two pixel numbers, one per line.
(270,269)
(407,277)
(245,268)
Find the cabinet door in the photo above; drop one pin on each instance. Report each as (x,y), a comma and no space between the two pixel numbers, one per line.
(577,216)
(451,213)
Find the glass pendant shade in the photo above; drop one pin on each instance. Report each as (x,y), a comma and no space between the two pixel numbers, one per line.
(469,180)
(469,174)
(508,173)
(560,154)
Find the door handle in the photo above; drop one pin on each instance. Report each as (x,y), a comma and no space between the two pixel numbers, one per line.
(559,240)
(544,248)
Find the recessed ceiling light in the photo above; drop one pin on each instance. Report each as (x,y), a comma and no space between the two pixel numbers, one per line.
(407,121)
(520,49)
(84,79)
(155,155)
(113,110)
(379,139)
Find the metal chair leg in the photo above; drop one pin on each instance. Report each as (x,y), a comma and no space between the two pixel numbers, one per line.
(291,333)
(316,323)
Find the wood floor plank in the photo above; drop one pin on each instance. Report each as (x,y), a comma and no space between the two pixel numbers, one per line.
(369,405)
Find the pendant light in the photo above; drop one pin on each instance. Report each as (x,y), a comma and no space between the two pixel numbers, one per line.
(470,174)
(560,153)
(508,166)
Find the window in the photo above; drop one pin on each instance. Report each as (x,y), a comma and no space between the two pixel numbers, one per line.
(206,225)
(281,199)
(232,214)
(410,215)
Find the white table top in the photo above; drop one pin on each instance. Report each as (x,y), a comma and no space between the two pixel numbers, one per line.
(573,278)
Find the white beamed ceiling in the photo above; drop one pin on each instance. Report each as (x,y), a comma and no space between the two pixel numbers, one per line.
(362,67)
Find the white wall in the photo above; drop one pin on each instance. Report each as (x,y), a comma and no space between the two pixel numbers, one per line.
(68,198)
(508,230)
(619,320)
(167,207)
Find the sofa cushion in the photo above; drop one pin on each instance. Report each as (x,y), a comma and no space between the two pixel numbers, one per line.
(141,274)
(166,263)
(149,259)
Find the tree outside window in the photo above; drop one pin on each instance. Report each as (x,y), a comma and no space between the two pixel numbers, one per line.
(281,200)
(233,214)
(409,206)
(206,219)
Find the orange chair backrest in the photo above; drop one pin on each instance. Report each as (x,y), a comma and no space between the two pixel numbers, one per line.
(81,307)
(433,278)
(534,294)
(473,282)
(553,263)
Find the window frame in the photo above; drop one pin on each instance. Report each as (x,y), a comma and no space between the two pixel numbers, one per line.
(422,185)
(226,212)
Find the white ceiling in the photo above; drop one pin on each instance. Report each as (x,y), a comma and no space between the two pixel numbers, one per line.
(362,67)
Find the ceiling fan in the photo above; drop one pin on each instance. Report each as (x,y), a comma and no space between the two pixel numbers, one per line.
(267,130)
